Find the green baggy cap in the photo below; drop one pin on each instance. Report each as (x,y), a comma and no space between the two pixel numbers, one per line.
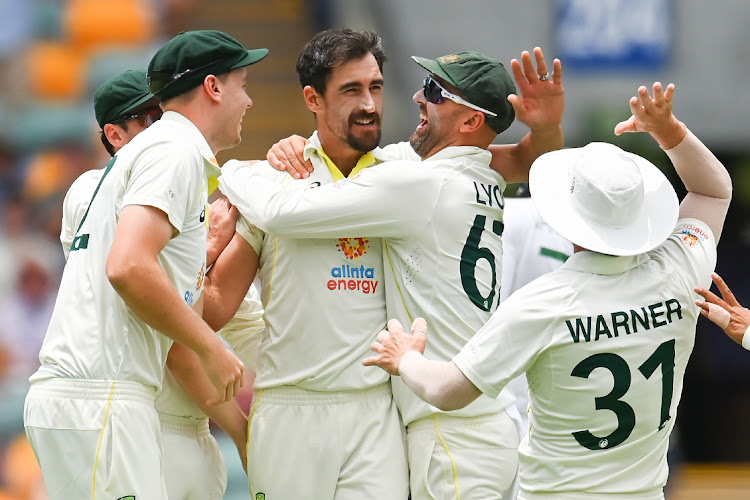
(184,62)
(120,96)
(480,80)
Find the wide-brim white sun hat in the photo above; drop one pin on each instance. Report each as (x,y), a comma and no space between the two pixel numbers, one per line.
(604,199)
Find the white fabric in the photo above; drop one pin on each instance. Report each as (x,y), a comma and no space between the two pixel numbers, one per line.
(746,339)
(472,458)
(530,249)
(92,334)
(95,439)
(345,445)
(75,204)
(442,219)
(194,468)
(597,319)
(604,199)
(302,277)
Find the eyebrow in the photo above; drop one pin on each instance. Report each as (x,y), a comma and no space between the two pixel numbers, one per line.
(355,85)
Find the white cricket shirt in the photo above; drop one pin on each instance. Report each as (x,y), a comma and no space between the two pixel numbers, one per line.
(530,247)
(442,222)
(604,341)
(324,299)
(92,334)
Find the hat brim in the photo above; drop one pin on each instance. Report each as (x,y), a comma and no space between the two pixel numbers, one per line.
(252,57)
(138,104)
(433,67)
(549,184)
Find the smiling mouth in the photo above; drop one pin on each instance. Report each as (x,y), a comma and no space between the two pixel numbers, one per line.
(423,122)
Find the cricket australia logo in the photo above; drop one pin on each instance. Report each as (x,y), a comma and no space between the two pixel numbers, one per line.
(353,248)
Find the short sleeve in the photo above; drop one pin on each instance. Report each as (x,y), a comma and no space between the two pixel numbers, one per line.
(691,249)
(168,177)
(510,342)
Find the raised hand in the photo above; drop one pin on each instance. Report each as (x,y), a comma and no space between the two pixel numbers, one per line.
(393,343)
(287,154)
(725,311)
(654,116)
(542,99)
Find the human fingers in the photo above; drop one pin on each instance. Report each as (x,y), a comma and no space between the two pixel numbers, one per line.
(518,76)
(541,64)
(710,297)
(529,72)
(372,360)
(659,98)
(724,290)
(394,326)
(669,93)
(645,99)
(383,336)
(557,72)
(419,327)
(628,125)
(419,331)
(719,315)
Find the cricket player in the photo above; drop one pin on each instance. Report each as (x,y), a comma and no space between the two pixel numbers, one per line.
(441,220)
(604,339)
(193,465)
(135,269)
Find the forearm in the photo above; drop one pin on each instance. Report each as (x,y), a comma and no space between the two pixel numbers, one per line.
(707,181)
(147,291)
(188,372)
(439,383)
(514,161)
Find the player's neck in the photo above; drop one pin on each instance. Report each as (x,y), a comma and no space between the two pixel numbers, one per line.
(342,155)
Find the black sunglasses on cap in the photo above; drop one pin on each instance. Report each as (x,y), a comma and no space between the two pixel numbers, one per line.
(436,94)
(146,117)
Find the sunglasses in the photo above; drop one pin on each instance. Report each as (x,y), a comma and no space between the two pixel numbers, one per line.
(436,94)
(145,117)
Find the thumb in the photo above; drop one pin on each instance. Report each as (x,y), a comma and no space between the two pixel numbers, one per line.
(626,126)
(419,330)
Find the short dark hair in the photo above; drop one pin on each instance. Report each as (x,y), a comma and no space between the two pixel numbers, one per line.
(332,48)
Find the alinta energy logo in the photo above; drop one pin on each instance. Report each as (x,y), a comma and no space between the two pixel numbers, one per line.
(353,248)
(351,277)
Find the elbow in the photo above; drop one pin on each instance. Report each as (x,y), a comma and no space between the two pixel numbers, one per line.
(120,272)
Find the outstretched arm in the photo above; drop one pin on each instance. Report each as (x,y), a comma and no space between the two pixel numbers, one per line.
(707,181)
(540,107)
(439,383)
(725,311)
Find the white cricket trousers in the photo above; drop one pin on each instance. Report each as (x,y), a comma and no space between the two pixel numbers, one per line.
(471,458)
(95,439)
(345,445)
(193,466)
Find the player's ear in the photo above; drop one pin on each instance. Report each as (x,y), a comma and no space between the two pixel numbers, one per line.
(313,99)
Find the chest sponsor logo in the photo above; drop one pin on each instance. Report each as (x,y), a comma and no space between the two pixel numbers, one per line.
(691,235)
(353,248)
(203,214)
(351,277)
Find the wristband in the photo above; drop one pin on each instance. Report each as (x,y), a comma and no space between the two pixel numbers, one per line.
(746,339)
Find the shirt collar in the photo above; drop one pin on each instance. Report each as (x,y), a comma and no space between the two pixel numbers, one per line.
(211,165)
(314,147)
(598,263)
(472,152)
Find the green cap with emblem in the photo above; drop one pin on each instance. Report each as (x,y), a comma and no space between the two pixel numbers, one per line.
(480,80)
(121,96)
(184,62)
